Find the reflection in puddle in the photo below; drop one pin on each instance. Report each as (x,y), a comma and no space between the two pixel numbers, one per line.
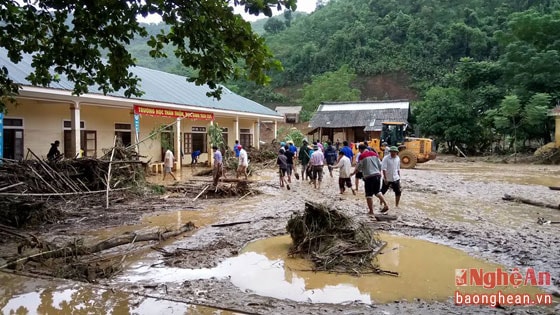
(427,271)
(17,296)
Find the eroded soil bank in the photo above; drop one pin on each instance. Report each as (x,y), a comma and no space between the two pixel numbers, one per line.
(446,201)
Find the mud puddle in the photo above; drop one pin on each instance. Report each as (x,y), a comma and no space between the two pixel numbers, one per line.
(427,272)
(513,174)
(21,296)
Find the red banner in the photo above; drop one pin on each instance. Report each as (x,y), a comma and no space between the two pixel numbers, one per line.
(174,113)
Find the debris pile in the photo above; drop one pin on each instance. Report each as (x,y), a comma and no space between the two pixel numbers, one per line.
(27,185)
(333,241)
(548,154)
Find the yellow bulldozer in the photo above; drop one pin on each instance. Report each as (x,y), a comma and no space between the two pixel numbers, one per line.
(411,150)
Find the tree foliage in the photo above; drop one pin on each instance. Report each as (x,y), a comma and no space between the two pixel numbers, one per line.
(70,36)
(330,86)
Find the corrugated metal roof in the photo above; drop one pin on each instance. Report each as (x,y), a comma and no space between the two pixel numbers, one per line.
(157,86)
(369,115)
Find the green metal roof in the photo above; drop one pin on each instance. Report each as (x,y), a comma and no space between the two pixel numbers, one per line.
(158,86)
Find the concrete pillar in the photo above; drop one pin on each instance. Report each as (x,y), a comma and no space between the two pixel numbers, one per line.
(209,147)
(258,133)
(75,144)
(275,129)
(236,126)
(178,145)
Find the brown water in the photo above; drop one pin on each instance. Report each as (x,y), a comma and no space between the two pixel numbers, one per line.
(427,271)
(18,295)
(523,174)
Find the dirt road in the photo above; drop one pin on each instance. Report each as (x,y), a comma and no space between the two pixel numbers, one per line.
(458,204)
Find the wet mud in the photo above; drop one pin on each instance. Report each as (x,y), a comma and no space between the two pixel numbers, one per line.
(455,207)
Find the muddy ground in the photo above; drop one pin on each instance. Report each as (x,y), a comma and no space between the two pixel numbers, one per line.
(449,201)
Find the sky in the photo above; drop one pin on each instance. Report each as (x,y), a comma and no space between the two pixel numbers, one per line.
(302,6)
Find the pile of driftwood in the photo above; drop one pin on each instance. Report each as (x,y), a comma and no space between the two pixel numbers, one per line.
(226,188)
(333,241)
(76,259)
(26,185)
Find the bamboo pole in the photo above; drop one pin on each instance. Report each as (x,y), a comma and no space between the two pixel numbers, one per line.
(60,194)
(11,186)
(47,183)
(201,192)
(109,174)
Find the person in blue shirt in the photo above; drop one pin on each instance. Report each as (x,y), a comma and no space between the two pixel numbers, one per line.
(236,148)
(194,156)
(330,156)
(347,151)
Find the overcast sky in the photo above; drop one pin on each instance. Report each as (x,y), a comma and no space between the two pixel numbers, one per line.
(302,6)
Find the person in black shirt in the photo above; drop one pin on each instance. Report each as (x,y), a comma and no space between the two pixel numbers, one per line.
(54,153)
(290,160)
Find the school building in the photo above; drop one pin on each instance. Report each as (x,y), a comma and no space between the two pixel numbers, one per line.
(87,124)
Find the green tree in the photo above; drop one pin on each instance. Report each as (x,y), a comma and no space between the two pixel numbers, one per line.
(507,117)
(444,116)
(274,25)
(69,36)
(330,86)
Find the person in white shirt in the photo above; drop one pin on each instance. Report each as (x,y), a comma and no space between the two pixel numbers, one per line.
(344,165)
(243,162)
(168,164)
(391,167)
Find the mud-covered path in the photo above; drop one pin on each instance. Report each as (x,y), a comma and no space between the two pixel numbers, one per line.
(454,203)
(458,204)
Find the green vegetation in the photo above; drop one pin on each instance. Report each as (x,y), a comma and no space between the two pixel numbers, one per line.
(485,71)
(73,37)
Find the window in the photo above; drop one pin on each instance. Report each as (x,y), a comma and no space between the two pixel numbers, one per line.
(123,133)
(245,138)
(13,138)
(88,143)
(195,140)
(68,124)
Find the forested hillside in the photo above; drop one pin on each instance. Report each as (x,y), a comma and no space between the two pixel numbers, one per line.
(481,70)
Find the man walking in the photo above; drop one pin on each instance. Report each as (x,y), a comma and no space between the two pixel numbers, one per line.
(317,162)
(218,165)
(304,156)
(330,157)
(344,174)
(370,166)
(168,164)
(243,162)
(391,167)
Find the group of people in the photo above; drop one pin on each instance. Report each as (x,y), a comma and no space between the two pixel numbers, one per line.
(218,165)
(378,175)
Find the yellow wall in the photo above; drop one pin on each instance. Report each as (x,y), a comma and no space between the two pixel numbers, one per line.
(43,124)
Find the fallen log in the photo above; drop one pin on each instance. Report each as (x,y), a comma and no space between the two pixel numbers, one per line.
(77,250)
(230,224)
(385,217)
(507,197)
(554,187)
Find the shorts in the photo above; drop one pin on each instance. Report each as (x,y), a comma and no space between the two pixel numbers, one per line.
(359,175)
(372,185)
(317,172)
(396,186)
(289,170)
(344,181)
(167,169)
(283,172)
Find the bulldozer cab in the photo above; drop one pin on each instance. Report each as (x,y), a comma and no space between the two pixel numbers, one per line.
(393,133)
